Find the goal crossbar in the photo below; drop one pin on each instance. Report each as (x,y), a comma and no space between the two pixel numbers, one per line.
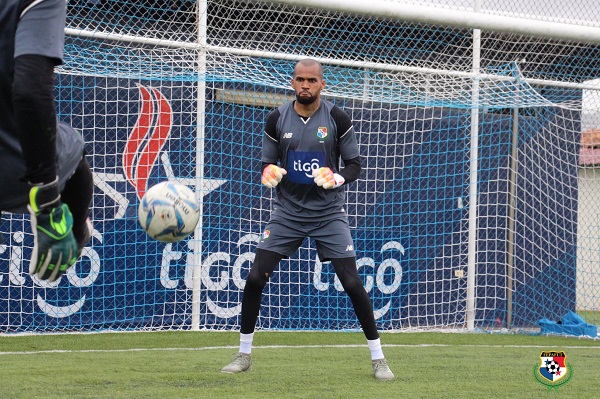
(375,66)
(454,18)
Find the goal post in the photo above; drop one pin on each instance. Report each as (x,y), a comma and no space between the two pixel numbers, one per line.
(477,129)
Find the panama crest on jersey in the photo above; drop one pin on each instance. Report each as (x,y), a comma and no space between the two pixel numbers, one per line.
(322,132)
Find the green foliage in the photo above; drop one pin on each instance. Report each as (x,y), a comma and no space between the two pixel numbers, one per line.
(590,316)
(286,365)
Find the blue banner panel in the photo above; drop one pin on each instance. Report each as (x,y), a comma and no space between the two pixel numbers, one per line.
(408,213)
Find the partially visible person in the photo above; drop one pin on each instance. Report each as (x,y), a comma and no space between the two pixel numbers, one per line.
(43,169)
(304,143)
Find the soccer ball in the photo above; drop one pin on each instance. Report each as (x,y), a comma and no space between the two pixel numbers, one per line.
(169,212)
(552,367)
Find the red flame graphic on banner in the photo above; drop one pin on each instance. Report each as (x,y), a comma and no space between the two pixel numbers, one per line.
(147,138)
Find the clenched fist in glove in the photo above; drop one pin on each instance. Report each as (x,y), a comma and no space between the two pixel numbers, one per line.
(272,175)
(324,177)
(54,245)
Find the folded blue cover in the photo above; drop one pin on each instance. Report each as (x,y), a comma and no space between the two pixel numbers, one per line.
(570,324)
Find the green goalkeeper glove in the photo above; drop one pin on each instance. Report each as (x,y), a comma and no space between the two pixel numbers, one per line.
(55,247)
(324,177)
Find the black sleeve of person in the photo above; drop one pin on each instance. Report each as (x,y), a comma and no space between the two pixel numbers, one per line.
(351,170)
(271,130)
(35,115)
(271,124)
(352,167)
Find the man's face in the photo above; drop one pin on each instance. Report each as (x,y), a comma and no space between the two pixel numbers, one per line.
(307,83)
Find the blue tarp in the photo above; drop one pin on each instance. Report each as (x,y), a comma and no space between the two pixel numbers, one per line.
(570,324)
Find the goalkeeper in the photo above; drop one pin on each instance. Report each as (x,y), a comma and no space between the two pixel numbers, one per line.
(42,165)
(304,143)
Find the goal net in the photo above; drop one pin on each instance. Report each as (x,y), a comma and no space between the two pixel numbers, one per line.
(477,207)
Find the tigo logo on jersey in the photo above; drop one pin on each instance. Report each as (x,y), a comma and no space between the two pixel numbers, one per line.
(322,132)
(302,163)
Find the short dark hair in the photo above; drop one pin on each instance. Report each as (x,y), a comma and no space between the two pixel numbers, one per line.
(309,62)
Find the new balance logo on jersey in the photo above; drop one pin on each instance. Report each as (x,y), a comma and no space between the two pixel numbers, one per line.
(288,135)
(349,248)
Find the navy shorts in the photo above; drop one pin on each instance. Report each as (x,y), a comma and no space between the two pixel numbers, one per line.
(332,237)
(14,195)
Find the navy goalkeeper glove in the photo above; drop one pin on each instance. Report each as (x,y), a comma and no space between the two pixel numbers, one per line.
(55,247)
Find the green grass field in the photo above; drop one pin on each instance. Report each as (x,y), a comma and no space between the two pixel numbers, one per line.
(289,365)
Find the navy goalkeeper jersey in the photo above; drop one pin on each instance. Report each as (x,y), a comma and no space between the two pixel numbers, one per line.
(26,27)
(299,145)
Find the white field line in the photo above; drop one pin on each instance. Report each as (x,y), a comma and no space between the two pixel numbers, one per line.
(206,348)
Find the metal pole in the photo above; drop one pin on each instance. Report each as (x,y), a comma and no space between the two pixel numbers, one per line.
(196,258)
(473,179)
(510,247)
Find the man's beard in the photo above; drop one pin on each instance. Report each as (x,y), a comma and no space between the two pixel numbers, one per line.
(305,100)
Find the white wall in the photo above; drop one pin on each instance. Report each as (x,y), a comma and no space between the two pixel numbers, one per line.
(588,240)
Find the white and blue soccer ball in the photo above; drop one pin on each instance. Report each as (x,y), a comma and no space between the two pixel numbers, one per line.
(169,211)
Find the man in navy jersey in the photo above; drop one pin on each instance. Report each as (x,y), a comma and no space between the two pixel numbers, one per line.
(42,165)
(304,143)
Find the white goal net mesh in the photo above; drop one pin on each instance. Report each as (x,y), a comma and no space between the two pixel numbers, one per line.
(508,119)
